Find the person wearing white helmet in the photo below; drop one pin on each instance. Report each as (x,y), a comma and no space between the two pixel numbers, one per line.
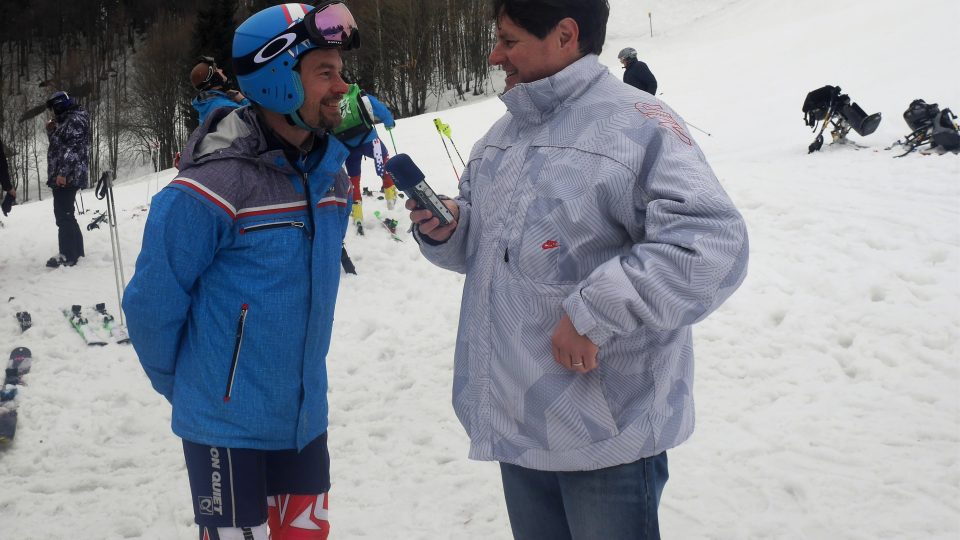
(636,73)
(231,306)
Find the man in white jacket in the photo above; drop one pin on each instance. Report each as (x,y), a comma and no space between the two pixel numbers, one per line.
(593,235)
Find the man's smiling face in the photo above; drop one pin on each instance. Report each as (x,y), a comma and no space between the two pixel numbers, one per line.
(524,57)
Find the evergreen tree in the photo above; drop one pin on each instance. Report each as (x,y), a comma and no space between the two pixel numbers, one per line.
(213,32)
(212,36)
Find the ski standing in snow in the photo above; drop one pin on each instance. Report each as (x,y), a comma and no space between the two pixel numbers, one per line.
(18,365)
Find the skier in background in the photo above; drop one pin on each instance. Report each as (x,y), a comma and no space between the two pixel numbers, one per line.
(212,84)
(360,112)
(231,306)
(636,73)
(9,193)
(68,163)
(592,234)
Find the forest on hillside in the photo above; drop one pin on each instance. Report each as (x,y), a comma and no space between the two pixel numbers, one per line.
(127,63)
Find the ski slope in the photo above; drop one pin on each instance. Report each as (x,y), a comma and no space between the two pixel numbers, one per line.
(827,387)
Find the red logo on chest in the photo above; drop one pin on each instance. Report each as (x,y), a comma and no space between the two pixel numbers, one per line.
(550,244)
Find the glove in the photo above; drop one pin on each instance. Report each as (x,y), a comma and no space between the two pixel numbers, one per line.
(8,202)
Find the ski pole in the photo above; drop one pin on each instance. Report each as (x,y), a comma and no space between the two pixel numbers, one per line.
(390,131)
(698,129)
(444,129)
(436,122)
(105,186)
(79,206)
(458,152)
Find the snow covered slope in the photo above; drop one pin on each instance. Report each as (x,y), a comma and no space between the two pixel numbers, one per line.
(827,387)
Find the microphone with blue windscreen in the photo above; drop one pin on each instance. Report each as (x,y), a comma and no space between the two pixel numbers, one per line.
(410,180)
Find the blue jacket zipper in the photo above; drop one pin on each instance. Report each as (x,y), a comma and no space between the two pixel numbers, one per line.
(277,225)
(241,323)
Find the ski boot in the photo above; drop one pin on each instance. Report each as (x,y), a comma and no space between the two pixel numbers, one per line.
(357,215)
(390,194)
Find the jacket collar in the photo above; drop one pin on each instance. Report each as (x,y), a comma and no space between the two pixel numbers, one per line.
(70,111)
(536,102)
(233,134)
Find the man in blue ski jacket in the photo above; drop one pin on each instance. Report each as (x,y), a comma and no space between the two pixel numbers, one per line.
(211,82)
(593,234)
(231,306)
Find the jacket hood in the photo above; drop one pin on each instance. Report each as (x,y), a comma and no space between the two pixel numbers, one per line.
(69,111)
(536,101)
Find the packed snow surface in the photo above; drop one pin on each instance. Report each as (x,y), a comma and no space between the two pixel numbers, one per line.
(827,387)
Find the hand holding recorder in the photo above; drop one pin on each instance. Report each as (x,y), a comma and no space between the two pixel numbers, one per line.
(434,217)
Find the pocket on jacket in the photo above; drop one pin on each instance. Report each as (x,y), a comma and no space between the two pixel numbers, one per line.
(546,254)
(267,244)
(562,412)
(237,346)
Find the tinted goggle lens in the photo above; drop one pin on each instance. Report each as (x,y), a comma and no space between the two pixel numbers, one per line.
(332,24)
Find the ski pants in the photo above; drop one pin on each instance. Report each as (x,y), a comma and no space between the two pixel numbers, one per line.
(69,237)
(239,491)
(374,150)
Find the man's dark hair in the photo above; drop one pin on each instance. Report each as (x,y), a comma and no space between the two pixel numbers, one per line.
(540,17)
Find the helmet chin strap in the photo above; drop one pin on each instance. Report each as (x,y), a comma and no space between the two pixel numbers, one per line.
(294,119)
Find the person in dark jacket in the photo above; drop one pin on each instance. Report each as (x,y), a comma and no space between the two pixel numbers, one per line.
(212,84)
(9,193)
(68,164)
(636,73)
(231,306)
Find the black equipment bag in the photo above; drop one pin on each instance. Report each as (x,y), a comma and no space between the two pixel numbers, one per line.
(945,132)
(920,114)
(819,103)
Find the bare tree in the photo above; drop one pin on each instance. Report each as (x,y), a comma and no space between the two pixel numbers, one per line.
(157,85)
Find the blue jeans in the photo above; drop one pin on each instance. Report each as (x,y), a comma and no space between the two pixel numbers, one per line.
(607,504)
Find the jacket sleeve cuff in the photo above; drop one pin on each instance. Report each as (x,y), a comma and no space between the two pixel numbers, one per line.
(584,321)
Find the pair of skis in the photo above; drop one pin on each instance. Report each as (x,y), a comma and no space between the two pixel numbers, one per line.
(99,328)
(388,223)
(25,321)
(19,365)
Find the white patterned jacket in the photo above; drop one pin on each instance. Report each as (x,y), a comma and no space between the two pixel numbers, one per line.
(590,197)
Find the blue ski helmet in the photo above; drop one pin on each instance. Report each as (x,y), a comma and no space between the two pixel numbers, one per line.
(268,45)
(59,102)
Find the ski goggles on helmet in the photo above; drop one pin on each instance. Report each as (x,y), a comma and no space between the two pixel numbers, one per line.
(203,80)
(327,26)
